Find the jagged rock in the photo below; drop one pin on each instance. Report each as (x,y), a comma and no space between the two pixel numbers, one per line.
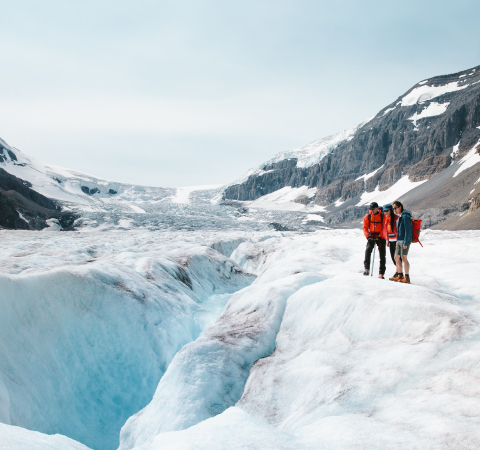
(434,216)
(469,138)
(9,217)
(475,204)
(302,199)
(23,208)
(89,191)
(428,167)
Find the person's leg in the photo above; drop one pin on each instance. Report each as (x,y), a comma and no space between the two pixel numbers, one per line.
(368,254)
(381,244)
(391,246)
(406,264)
(398,257)
(398,261)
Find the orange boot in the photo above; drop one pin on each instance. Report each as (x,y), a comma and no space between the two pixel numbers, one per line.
(397,277)
(405,279)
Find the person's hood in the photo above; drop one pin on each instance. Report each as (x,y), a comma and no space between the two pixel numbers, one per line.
(406,212)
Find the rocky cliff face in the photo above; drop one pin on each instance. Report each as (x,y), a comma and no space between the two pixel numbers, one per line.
(420,134)
(22,208)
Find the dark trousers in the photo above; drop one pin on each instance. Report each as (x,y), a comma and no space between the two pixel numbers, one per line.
(392,246)
(381,245)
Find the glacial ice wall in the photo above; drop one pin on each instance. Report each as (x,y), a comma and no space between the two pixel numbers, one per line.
(89,324)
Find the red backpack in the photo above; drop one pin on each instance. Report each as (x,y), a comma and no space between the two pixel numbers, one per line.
(416,225)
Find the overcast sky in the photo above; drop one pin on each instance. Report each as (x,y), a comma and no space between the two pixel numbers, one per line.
(175,93)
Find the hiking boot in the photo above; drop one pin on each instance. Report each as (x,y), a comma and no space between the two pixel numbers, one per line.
(366,273)
(405,279)
(381,276)
(397,277)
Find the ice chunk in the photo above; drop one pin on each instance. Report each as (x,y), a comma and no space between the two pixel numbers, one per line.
(17,438)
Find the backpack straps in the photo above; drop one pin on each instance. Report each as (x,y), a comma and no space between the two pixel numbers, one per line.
(381,220)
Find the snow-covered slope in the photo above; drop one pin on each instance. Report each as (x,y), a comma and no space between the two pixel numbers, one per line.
(357,362)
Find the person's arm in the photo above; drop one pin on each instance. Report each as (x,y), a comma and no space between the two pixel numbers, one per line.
(387,228)
(408,231)
(366,231)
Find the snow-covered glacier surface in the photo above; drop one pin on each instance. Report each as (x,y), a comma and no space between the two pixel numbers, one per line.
(341,360)
(246,340)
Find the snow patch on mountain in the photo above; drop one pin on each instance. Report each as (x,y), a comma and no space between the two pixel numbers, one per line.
(284,200)
(469,160)
(433,109)
(369,175)
(391,194)
(425,93)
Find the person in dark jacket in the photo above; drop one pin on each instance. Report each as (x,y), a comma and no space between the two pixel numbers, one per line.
(404,239)
(375,232)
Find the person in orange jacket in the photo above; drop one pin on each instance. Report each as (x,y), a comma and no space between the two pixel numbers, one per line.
(391,224)
(375,232)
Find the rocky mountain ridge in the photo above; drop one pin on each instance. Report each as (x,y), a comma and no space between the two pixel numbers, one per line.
(419,135)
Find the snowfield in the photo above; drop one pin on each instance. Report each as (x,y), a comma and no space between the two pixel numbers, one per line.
(277,341)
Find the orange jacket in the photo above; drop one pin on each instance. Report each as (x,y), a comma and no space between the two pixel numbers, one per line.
(376,227)
(391,227)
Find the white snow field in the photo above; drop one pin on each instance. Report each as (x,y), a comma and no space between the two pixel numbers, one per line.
(310,355)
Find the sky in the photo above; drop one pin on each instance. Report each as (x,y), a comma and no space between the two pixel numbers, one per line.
(180,93)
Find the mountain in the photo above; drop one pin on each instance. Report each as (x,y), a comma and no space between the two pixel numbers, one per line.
(37,195)
(425,143)
(22,207)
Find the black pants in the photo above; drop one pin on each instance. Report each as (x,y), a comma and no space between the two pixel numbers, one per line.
(381,245)
(392,246)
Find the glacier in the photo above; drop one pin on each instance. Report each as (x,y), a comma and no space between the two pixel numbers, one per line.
(90,322)
(146,340)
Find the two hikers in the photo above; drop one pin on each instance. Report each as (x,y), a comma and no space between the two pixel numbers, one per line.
(393,225)
(374,230)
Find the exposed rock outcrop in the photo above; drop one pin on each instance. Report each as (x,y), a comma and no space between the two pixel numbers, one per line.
(302,199)
(23,208)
